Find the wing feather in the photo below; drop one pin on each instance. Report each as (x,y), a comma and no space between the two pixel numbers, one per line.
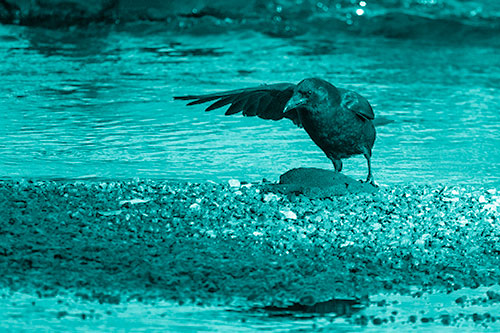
(220,103)
(357,104)
(202,100)
(236,107)
(267,101)
(252,107)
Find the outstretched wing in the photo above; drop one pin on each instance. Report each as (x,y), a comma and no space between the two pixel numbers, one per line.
(267,101)
(356,103)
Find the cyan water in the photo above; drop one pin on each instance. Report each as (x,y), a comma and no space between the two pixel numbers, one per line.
(97,101)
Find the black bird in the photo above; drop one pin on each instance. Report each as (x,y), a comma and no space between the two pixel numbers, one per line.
(339,121)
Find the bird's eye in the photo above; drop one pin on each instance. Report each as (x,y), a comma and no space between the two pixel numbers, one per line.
(309,93)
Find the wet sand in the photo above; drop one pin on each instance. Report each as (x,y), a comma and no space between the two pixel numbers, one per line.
(267,247)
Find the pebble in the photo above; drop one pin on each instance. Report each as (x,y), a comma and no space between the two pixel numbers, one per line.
(420,242)
(211,234)
(347,243)
(195,206)
(110,212)
(134,201)
(493,208)
(288,214)
(270,197)
(234,183)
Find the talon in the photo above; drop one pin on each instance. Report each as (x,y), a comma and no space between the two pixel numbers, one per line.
(370,181)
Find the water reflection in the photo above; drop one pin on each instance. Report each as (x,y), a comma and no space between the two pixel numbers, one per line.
(71,42)
(340,307)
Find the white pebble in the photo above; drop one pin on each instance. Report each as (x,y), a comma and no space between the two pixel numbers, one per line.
(492,208)
(194,206)
(288,214)
(234,183)
(420,242)
(134,201)
(463,221)
(492,191)
(482,199)
(270,197)
(347,243)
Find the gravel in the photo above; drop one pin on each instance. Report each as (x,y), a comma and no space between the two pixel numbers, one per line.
(236,243)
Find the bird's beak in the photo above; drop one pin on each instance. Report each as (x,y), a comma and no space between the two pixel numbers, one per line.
(295,102)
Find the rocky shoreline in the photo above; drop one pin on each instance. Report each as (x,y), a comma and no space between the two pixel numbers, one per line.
(260,245)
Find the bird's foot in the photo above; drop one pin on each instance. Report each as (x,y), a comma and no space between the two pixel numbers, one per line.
(370,181)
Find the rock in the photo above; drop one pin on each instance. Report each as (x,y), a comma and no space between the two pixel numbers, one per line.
(61,13)
(316,182)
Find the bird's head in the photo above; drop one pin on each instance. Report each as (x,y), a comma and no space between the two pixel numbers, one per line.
(310,93)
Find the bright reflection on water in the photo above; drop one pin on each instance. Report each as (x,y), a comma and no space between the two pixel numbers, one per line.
(99,103)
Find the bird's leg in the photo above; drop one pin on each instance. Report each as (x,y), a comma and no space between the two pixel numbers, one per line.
(337,164)
(369,178)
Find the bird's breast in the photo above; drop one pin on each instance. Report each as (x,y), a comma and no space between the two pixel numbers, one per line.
(337,131)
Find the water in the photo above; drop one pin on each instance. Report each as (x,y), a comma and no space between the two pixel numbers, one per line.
(24,312)
(98,101)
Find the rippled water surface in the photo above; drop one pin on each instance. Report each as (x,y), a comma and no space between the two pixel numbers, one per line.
(98,102)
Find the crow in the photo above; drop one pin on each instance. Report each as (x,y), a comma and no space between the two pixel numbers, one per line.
(339,121)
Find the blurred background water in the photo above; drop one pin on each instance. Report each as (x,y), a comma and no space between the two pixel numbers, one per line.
(87,89)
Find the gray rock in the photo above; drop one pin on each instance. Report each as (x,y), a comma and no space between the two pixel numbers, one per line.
(320,183)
